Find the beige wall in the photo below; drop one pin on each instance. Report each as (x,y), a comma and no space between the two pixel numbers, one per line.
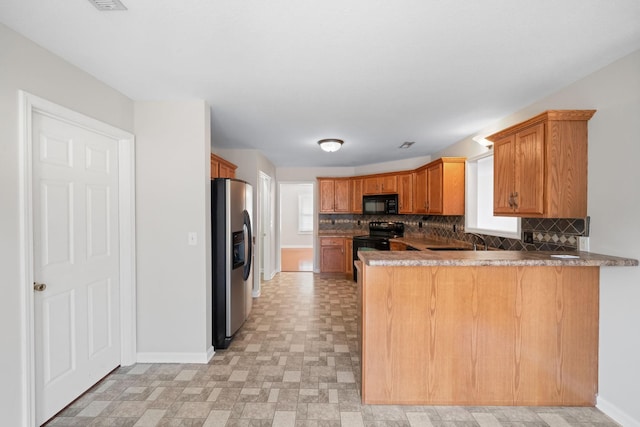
(26,66)
(614,208)
(173,199)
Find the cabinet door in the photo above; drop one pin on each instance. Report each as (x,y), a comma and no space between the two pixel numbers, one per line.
(388,184)
(214,168)
(405,193)
(370,185)
(530,171)
(420,199)
(504,161)
(342,201)
(227,171)
(356,195)
(397,246)
(327,195)
(348,256)
(332,255)
(434,186)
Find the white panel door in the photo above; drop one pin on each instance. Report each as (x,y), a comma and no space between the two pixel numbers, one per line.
(76,255)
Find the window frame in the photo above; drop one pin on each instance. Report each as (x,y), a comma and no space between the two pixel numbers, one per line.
(302,214)
(471,205)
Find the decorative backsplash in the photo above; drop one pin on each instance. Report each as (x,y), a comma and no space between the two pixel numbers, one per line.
(555,234)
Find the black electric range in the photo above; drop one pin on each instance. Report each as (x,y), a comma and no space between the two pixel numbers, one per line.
(378,238)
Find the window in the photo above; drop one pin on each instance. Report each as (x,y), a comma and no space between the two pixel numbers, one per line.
(305,213)
(479,201)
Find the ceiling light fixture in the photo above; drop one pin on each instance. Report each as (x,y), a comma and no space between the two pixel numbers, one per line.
(108,5)
(331,144)
(407,144)
(483,141)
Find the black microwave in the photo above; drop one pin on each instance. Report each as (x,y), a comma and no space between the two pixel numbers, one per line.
(380,204)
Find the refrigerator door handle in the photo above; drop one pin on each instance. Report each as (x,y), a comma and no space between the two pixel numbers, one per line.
(248,245)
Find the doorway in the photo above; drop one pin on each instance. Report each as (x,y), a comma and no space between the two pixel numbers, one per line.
(71,218)
(296,226)
(266,230)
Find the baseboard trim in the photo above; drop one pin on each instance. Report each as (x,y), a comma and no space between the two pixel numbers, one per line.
(203,358)
(617,414)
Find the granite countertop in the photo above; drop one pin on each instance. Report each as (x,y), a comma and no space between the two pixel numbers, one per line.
(492,258)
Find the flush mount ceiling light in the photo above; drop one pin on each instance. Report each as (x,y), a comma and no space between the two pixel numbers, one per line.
(107,5)
(331,144)
(483,141)
(407,144)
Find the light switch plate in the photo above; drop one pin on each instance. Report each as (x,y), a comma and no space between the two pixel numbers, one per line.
(192,237)
(583,243)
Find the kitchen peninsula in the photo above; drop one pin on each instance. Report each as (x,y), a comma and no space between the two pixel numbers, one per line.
(480,327)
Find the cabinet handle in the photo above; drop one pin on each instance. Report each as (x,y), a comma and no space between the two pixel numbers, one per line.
(513,204)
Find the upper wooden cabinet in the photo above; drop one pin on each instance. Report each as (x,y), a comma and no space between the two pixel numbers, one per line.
(380,184)
(405,193)
(439,187)
(221,168)
(436,188)
(540,166)
(334,195)
(420,194)
(356,195)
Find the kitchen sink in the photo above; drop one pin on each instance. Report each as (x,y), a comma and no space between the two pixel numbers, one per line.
(443,248)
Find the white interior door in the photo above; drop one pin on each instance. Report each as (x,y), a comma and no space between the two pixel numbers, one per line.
(76,255)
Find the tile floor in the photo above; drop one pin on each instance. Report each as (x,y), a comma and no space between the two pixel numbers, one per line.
(294,364)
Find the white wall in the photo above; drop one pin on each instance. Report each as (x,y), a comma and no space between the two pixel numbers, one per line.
(395,166)
(26,66)
(173,199)
(289,200)
(614,208)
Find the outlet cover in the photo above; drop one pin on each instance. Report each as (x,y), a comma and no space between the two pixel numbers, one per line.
(527,236)
(583,243)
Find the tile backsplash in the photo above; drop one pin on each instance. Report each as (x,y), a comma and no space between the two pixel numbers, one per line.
(555,234)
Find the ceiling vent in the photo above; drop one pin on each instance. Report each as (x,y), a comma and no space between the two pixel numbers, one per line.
(106,5)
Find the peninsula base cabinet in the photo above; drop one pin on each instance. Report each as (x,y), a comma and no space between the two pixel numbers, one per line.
(489,335)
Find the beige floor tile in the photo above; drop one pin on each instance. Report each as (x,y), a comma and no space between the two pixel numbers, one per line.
(216,418)
(150,418)
(293,363)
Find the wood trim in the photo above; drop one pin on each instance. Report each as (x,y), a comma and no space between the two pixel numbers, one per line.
(222,168)
(579,115)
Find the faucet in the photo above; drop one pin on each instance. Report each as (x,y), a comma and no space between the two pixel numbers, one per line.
(475,245)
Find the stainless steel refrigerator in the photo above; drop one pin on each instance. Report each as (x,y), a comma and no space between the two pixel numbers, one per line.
(232,250)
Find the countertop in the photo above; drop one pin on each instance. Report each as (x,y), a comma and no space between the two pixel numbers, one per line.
(492,258)
(425,257)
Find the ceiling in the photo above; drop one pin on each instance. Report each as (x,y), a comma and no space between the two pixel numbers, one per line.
(282,74)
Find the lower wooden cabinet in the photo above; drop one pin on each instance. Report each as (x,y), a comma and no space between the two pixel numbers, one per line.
(336,255)
(332,255)
(348,256)
(397,246)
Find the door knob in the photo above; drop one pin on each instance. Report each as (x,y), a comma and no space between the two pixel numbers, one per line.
(39,286)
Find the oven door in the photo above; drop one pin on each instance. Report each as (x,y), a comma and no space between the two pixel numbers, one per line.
(367,244)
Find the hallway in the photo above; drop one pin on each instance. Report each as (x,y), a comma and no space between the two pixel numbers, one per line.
(293,363)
